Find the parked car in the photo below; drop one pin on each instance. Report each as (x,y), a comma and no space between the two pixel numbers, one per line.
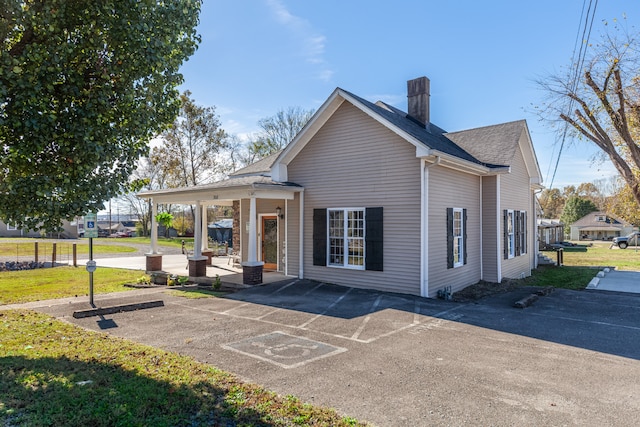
(623,241)
(120,234)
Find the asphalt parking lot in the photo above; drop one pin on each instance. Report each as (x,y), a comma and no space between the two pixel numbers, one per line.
(572,358)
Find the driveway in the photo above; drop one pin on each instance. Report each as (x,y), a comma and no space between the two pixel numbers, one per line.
(572,358)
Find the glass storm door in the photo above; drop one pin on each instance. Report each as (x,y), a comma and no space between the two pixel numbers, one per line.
(270,242)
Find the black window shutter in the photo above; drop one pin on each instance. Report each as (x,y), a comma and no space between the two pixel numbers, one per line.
(464,234)
(374,245)
(516,231)
(524,231)
(319,237)
(449,237)
(505,237)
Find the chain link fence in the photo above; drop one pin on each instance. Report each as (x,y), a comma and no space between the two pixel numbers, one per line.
(41,252)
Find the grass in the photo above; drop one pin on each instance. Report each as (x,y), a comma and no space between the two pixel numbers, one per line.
(48,283)
(599,255)
(55,373)
(175,242)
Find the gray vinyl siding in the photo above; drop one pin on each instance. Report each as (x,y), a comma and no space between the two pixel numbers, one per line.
(490,226)
(449,188)
(516,194)
(354,162)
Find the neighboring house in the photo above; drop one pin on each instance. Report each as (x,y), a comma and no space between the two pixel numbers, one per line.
(69,231)
(550,231)
(600,226)
(369,196)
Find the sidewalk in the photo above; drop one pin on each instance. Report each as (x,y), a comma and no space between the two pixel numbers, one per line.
(177,264)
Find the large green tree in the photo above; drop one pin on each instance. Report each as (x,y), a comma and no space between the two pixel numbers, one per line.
(84,85)
(574,209)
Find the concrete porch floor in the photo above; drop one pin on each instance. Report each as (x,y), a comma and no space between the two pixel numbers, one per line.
(177,264)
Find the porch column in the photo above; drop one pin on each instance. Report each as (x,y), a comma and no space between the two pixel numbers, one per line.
(154,228)
(206,252)
(252,268)
(252,256)
(197,263)
(154,258)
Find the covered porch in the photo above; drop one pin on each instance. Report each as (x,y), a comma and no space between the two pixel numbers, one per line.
(261,218)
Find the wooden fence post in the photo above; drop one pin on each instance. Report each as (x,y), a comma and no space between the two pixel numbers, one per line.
(75,256)
(36,252)
(53,256)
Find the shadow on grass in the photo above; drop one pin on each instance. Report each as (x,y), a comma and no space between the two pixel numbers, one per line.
(62,391)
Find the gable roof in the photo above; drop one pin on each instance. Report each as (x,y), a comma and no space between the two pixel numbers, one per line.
(492,144)
(261,167)
(499,142)
(591,219)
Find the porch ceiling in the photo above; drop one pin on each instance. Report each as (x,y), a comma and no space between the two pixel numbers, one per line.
(223,193)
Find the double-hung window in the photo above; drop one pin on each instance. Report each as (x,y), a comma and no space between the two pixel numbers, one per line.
(349,238)
(346,238)
(511,235)
(515,233)
(456,237)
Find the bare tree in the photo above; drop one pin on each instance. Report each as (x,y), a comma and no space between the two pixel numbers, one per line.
(278,130)
(190,149)
(603,106)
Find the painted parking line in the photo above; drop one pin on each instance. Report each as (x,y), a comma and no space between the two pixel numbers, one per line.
(333,304)
(386,316)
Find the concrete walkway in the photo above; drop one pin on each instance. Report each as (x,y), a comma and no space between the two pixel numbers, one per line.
(177,264)
(616,280)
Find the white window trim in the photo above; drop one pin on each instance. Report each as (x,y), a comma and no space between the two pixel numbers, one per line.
(11,227)
(458,241)
(345,264)
(511,236)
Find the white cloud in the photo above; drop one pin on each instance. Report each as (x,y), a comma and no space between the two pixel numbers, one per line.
(313,44)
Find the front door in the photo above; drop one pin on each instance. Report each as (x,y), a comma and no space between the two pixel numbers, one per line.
(270,242)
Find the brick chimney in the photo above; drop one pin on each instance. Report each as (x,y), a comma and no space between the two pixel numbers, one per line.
(418,99)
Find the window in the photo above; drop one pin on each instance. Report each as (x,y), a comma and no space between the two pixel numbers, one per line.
(349,238)
(11,227)
(346,238)
(456,237)
(511,236)
(515,233)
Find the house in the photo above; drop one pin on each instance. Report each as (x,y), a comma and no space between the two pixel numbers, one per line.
(70,230)
(600,226)
(550,231)
(369,196)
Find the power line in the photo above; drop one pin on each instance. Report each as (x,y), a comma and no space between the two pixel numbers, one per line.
(579,64)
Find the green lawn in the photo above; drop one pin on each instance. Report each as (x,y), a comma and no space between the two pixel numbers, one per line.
(599,255)
(60,282)
(54,373)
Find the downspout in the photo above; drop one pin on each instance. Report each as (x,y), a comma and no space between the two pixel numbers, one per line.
(301,239)
(424,225)
(498,234)
(481,251)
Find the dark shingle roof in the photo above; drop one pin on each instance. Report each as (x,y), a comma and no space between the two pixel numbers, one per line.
(494,144)
(434,137)
(261,167)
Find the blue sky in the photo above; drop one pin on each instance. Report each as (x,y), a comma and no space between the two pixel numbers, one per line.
(259,56)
